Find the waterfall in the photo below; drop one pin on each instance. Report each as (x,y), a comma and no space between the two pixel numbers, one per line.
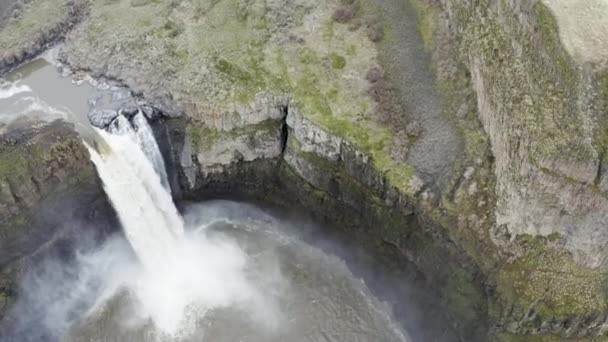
(139,130)
(184,274)
(132,169)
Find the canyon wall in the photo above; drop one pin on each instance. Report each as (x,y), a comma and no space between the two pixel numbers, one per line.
(49,192)
(484,167)
(542,104)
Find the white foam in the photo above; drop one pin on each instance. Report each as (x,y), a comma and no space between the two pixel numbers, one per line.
(9,90)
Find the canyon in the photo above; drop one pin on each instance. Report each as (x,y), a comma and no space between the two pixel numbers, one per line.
(463,140)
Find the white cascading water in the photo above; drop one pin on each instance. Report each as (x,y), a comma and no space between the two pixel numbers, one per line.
(145,207)
(184,275)
(139,130)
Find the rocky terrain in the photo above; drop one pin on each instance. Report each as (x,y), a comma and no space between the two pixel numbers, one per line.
(48,191)
(29,27)
(467,137)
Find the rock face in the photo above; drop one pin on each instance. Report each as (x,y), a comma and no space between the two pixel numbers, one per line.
(48,188)
(490,176)
(541,103)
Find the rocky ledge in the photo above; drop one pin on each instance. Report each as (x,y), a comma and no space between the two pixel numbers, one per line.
(489,175)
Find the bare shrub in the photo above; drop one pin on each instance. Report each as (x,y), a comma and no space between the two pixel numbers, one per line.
(400,147)
(374,74)
(413,129)
(388,110)
(375,29)
(343,15)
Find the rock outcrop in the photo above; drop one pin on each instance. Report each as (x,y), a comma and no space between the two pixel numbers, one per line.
(48,188)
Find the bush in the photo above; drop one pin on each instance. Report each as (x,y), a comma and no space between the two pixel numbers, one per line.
(375,29)
(337,61)
(374,74)
(343,15)
(413,129)
(388,110)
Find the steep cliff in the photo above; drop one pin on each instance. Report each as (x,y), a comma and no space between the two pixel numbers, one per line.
(542,104)
(48,188)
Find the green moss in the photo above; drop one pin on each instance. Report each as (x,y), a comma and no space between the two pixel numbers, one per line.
(332,95)
(427,18)
(233,71)
(337,61)
(310,96)
(308,56)
(533,80)
(250,78)
(204,138)
(463,297)
(550,30)
(548,276)
(351,50)
(171,29)
(3,301)
(544,338)
(14,163)
(328,30)
(567,179)
(20,220)
(45,172)
(601,134)
(377,145)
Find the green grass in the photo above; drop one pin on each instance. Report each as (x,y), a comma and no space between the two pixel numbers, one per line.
(548,276)
(37,16)
(545,338)
(427,18)
(337,61)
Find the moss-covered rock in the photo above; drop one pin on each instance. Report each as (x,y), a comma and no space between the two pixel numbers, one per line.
(43,169)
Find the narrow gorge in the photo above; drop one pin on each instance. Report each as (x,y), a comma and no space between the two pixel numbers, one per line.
(300,170)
